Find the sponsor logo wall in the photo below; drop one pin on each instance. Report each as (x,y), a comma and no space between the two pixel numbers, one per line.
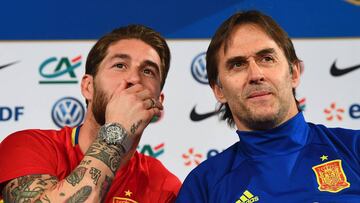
(40,88)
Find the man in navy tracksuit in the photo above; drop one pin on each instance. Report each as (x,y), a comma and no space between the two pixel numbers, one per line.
(253,71)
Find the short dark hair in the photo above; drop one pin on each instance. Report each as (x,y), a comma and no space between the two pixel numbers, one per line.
(143,33)
(222,37)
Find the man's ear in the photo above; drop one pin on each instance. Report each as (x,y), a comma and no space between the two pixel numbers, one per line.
(87,87)
(161,98)
(296,72)
(218,92)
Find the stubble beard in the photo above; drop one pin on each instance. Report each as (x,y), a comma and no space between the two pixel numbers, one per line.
(257,117)
(255,120)
(99,105)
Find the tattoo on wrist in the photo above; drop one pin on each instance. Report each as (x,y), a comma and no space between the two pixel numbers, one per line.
(110,155)
(135,126)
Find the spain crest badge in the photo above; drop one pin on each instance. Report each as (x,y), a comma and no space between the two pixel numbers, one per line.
(330,176)
(125,199)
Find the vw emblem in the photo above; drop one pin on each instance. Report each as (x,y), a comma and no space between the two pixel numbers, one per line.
(67,111)
(198,68)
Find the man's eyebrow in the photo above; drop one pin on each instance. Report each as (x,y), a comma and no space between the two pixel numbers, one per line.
(151,63)
(235,59)
(265,51)
(122,56)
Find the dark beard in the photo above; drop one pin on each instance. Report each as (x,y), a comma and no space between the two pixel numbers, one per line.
(261,124)
(265,122)
(99,105)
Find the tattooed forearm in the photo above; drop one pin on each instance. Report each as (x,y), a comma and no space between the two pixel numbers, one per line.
(6,194)
(95,174)
(76,176)
(24,193)
(135,126)
(104,187)
(85,162)
(110,155)
(80,196)
(42,200)
(45,182)
(27,188)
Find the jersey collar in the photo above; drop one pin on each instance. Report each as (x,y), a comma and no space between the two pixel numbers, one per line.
(286,138)
(75,136)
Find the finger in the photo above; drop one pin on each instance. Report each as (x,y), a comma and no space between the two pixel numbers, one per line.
(158,105)
(156,113)
(153,103)
(144,94)
(121,87)
(153,113)
(134,88)
(150,103)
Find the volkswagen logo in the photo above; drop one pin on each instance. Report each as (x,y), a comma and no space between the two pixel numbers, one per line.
(67,111)
(198,68)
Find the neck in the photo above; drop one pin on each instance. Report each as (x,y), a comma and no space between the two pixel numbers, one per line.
(88,132)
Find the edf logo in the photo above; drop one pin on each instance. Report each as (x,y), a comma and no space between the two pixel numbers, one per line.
(53,68)
(7,113)
(198,69)
(67,111)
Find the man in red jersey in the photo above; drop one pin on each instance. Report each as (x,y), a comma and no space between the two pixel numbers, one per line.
(98,162)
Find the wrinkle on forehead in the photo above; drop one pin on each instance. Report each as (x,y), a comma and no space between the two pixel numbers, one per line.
(231,36)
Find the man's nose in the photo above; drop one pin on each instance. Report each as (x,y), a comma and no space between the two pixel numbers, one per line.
(133,78)
(255,72)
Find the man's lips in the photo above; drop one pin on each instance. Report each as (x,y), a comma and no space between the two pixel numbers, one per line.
(258,94)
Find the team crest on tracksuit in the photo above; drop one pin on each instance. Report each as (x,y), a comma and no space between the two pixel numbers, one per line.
(125,199)
(330,176)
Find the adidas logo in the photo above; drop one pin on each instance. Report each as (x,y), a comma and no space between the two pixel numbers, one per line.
(247,197)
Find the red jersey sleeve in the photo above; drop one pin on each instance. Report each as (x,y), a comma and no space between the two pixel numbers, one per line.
(27,152)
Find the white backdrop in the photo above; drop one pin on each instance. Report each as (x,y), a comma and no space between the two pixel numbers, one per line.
(175,139)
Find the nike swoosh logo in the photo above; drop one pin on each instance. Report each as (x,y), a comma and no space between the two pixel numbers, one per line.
(9,64)
(194,116)
(335,71)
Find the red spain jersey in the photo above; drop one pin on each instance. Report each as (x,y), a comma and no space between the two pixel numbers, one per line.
(57,153)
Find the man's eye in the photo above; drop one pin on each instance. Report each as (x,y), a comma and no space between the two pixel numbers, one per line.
(267,59)
(119,65)
(149,72)
(238,65)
